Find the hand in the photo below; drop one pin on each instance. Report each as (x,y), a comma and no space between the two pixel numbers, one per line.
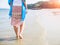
(10,4)
(26,7)
(26,11)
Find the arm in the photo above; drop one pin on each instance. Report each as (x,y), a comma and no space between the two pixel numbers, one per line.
(25,3)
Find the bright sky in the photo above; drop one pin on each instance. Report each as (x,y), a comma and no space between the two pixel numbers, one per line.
(34,1)
(5,3)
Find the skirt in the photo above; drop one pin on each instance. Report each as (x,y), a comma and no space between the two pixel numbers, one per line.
(16,16)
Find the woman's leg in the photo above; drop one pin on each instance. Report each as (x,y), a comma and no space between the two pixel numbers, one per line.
(16,31)
(21,30)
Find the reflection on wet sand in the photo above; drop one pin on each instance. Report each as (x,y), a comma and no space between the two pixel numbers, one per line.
(11,42)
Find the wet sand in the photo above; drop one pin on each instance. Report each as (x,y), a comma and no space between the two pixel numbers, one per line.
(41,28)
(32,33)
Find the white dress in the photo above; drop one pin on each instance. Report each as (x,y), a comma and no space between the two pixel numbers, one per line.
(16,13)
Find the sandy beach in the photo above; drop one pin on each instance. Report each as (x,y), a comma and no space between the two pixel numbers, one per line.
(41,27)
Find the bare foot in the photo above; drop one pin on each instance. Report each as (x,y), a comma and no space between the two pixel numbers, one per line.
(17,37)
(20,36)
